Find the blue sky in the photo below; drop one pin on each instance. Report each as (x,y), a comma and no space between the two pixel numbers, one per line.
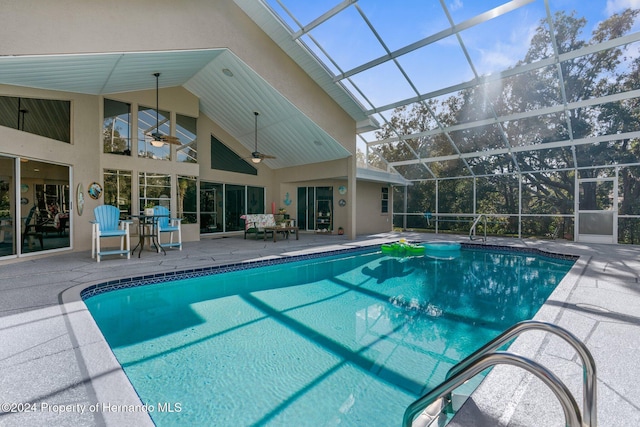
(493,46)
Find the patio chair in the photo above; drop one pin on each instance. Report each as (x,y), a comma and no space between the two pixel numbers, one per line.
(166,224)
(107,223)
(32,230)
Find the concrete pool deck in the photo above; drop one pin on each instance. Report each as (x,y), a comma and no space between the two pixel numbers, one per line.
(56,369)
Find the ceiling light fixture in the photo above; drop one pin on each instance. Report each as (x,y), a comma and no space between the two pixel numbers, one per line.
(227,72)
(157,142)
(255,156)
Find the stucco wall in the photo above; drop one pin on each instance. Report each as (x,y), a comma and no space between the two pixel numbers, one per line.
(370,218)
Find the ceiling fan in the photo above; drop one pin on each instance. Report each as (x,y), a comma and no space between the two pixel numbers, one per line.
(256,156)
(159,139)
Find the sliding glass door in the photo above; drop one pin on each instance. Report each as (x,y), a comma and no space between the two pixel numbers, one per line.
(7,206)
(35,206)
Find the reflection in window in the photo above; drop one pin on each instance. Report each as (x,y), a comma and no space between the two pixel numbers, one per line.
(234,207)
(187,199)
(44,206)
(7,206)
(149,124)
(222,205)
(45,117)
(186,129)
(211,207)
(117,190)
(155,189)
(255,200)
(116,128)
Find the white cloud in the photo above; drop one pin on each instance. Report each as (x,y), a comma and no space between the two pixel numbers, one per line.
(614,6)
(455,5)
(507,52)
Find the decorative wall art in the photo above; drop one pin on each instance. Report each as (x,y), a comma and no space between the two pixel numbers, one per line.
(80,199)
(95,190)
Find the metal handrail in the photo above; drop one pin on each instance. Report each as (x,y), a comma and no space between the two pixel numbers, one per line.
(472,230)
(467,369)
(568,403)
(589,392)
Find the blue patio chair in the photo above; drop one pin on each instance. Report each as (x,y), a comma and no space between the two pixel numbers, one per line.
(166,224)
(107,223)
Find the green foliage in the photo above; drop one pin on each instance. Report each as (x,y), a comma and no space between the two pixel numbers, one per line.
(548,175)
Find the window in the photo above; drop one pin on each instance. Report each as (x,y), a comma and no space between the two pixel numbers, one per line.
(187,199)
(211,207)
(221,206)
(384,207)
(43,206)
(147,126)
(45,117)
(186,129)
(224,158)
(117,190)
(116,128)
(255,200)
(155,189)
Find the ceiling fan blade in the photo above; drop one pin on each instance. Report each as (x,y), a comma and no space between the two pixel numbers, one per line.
(166,138)
(267,156)
(171,139)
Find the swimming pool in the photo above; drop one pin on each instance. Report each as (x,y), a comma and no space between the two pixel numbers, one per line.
(349,339)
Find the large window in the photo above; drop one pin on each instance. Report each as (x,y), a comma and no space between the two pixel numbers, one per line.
(154,189)
(147,121)
(116,128)
(186,130)
(222,205)
(117,190)
(211,207)
(45,117)
(187,199)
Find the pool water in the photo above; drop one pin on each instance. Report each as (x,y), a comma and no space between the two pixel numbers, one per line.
(349,340)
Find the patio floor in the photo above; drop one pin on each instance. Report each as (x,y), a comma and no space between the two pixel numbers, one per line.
(55,367)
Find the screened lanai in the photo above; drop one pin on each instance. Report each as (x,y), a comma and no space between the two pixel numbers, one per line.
(526,112)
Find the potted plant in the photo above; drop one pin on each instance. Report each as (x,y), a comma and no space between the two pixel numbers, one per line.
(340,230)
(148,209)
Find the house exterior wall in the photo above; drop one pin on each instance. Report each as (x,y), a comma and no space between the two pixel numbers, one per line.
(368,200)
(145,25)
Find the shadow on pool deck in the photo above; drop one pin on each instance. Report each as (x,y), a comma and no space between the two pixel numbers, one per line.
(53,354)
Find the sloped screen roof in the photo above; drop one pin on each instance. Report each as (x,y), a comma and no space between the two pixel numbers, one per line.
(469,89)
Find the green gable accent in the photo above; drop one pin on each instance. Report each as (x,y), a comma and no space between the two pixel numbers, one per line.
(224,158)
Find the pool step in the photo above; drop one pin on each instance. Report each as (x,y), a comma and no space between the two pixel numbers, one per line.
(439,411)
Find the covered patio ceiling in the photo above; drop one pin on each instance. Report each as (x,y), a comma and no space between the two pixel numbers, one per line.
(229,92)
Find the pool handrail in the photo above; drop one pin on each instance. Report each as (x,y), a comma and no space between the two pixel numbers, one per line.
(589,392)
(472,230)
(589,410)
(568,403)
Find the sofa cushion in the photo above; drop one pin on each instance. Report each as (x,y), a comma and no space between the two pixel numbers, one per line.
(259,221)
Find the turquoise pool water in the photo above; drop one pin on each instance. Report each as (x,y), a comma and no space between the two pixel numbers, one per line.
(348,340)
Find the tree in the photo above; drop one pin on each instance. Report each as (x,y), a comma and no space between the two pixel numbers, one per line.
(589,76)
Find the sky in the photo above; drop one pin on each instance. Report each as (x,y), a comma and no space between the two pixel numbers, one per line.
(492,46)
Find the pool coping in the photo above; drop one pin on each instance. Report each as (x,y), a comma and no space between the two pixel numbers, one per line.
(109,384)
